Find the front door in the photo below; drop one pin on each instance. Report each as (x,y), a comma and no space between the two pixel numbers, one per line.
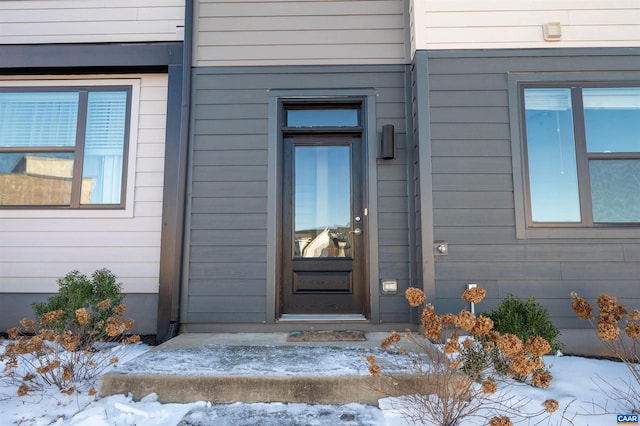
(323,225)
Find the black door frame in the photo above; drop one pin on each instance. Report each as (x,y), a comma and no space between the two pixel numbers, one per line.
(362,192)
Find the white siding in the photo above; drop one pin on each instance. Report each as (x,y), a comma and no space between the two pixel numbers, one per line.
(87,21)
(472,24)
(39,246)
(300,32)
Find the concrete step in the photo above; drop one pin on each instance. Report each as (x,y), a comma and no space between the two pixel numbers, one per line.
(262,367)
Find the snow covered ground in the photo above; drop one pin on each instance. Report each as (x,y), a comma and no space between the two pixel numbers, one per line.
(580,385)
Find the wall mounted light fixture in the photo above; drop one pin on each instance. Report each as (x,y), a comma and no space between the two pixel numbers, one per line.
(388,143)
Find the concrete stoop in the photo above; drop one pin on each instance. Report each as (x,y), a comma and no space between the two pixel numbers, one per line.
(245,367)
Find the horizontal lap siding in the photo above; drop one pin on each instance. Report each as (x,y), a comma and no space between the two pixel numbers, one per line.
(228,218)
(36,251)
(469,24)
(299,32)
(90,21)
(474,200)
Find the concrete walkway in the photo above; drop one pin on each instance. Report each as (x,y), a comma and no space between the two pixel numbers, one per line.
(260,367)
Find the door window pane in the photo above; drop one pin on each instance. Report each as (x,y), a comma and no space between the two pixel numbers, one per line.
(615,190)
(612,119)
(553,177)
(322,204)
(347,117)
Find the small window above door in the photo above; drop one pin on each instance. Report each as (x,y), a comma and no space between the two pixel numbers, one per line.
(309,116)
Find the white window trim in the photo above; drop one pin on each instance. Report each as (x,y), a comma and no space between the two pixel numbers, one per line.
(96,81)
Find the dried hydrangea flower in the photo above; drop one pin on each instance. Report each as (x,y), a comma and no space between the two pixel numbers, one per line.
(28,324)
(82,316)
(120,309)
(13,333)
(415,296)
(510,344)
(550,405)
(607,331)
(105,303)
(633,330)
(581,307)
(51,316)
(489,386)
(522,365)
(634,315)
(500,421)
(449,318)
(391,339)
(431,324)
(452,345)
(482,326)
(607,303)
(538,346)
(474,295)
(541,379)
(23,390)
(466,320)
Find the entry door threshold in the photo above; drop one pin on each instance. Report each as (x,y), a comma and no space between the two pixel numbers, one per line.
(322,318)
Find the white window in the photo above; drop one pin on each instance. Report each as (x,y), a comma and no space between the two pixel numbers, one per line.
(64,146)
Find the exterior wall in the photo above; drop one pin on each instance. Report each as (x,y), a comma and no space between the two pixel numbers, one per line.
(474,193)
(300,32)
(88,21)
(39,246)
(228,213)
(469,24)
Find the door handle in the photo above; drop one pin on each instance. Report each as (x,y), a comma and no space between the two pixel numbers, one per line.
(356,231)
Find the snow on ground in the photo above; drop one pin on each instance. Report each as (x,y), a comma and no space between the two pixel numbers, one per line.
(580,385)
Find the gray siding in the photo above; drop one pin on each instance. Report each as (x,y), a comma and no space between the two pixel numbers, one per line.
(473,190)
(228,212)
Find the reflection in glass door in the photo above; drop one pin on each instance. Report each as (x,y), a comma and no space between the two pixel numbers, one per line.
(322,191)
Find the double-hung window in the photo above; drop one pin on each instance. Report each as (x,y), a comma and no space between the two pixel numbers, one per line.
(582,154)
(64,147)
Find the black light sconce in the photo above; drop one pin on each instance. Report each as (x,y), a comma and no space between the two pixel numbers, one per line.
(388,144)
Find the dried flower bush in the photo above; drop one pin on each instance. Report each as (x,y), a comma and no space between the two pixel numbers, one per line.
(619,330)
(73,343)
(466,370)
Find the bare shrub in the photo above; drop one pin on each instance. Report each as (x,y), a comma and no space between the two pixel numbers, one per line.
(619,330)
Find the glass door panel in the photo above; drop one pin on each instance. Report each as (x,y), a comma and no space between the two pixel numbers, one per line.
(322,201)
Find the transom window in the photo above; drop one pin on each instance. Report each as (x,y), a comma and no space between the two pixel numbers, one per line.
(582,147)
(63,146)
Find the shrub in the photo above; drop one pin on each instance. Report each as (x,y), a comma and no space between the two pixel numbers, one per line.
(468,363)
(525,319)
(100,296)
(66,347)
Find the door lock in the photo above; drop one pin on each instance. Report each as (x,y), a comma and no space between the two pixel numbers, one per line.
(356,231)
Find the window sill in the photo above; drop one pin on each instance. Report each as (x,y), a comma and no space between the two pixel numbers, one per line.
(579,233)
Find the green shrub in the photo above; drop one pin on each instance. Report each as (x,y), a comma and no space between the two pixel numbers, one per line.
(525,319)
(99,295)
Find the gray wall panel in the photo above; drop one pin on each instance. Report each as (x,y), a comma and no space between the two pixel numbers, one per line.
(473,188)
(228,208)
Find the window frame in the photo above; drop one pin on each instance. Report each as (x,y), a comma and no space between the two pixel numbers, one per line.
(525,226)
(83,88)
